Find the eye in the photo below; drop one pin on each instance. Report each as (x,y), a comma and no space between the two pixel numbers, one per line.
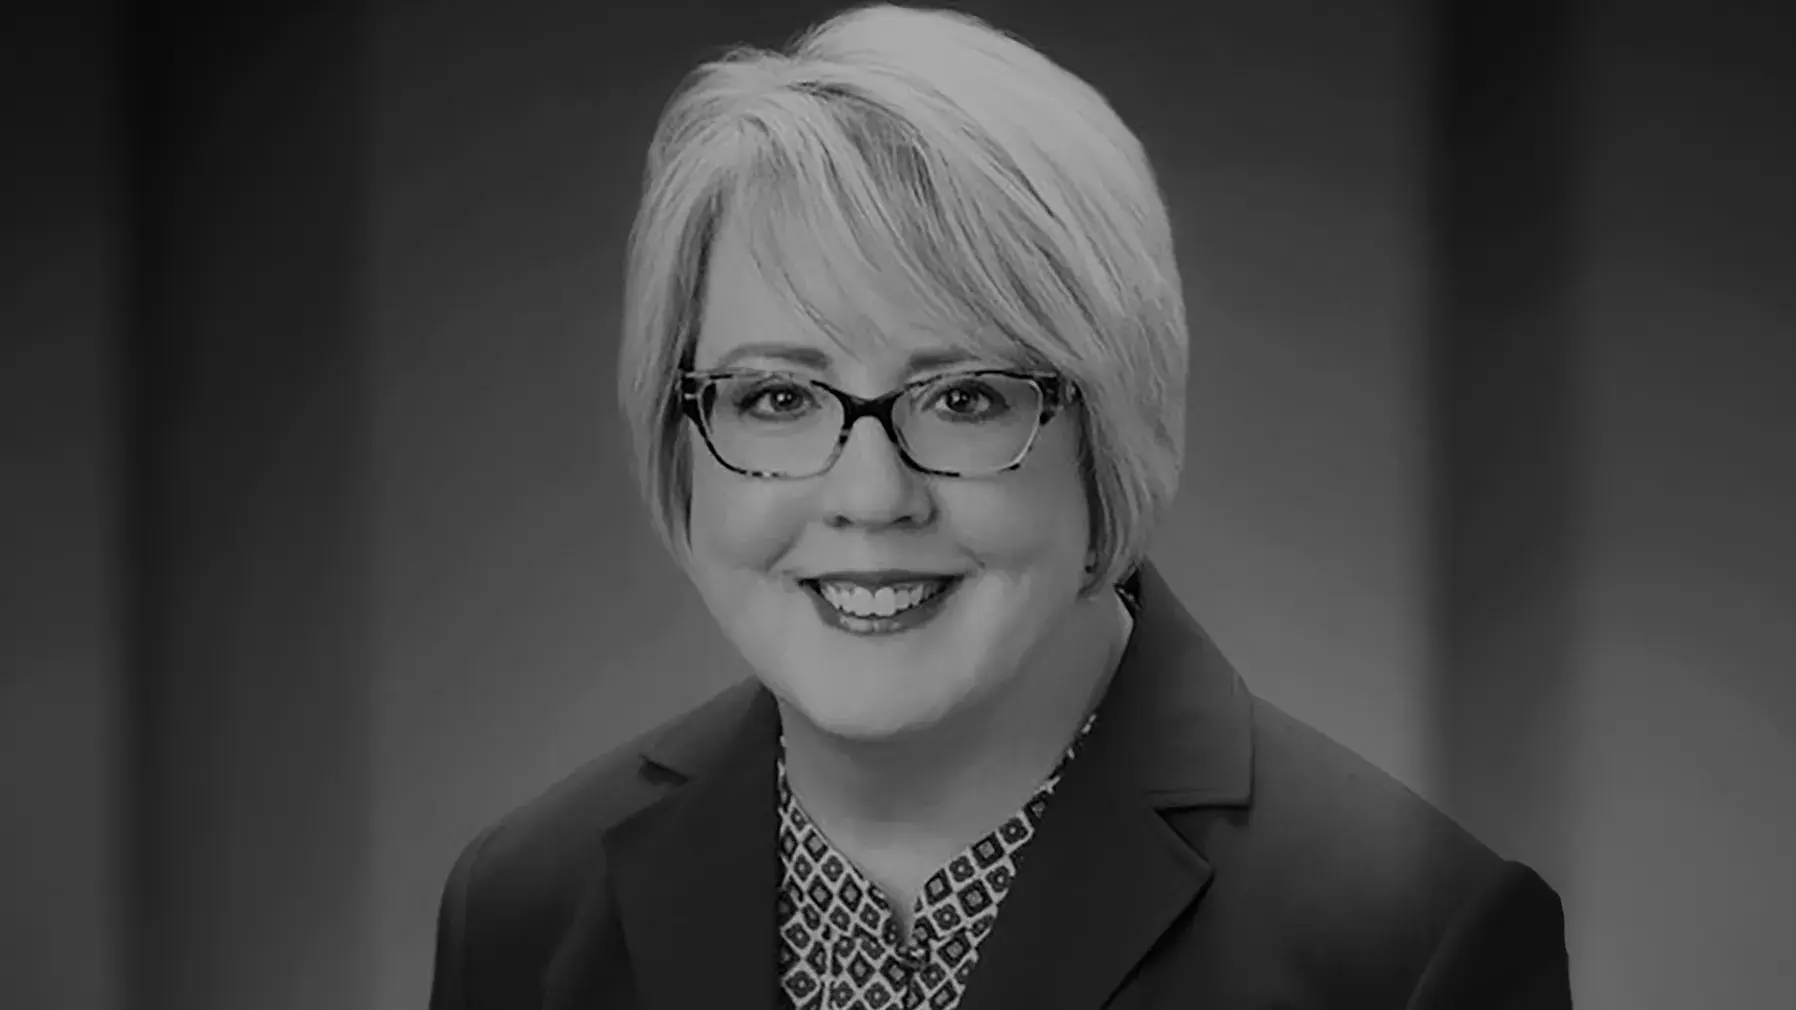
(773,399)
(967,399)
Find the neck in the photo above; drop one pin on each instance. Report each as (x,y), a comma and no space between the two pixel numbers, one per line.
(902,807)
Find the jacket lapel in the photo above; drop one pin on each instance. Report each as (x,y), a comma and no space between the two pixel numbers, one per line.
(1106,875)
(696,876)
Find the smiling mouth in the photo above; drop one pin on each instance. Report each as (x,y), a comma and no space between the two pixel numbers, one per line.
(887,609)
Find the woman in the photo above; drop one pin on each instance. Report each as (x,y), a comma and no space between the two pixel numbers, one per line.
(903,360)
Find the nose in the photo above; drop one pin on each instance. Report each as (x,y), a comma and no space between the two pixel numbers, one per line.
(870,484)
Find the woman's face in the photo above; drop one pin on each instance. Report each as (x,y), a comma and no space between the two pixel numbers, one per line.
(1012,545)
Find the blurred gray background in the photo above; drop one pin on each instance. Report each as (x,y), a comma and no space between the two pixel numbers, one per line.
(318,548)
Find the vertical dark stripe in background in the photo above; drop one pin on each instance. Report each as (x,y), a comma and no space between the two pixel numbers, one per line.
(141,99)
(250,785)
(1503,458)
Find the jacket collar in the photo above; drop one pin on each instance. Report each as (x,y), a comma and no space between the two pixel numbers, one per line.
(695,876)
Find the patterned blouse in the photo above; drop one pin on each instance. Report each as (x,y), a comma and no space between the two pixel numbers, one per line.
(840,946)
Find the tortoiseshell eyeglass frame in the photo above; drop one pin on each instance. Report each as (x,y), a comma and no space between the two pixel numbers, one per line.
(1056,391)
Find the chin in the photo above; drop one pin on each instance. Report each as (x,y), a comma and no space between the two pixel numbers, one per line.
(868,708)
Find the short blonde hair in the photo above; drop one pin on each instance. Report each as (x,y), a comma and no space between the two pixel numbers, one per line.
(896,144)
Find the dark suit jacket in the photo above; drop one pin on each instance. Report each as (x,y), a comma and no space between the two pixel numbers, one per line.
(1206,850)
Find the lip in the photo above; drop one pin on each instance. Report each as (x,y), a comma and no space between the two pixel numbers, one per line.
(876,578)
(905,620)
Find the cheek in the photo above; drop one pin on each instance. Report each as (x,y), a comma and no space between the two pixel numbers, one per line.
(1031,519)
(739,523)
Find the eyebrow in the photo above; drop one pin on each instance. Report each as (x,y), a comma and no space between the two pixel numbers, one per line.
(816,359)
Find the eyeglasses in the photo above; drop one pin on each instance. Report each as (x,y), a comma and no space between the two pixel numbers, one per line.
(960,424)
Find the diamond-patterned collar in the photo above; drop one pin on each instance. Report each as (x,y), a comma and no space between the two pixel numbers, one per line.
(840,943)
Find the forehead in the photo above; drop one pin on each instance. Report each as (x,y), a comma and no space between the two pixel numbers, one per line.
(770,284)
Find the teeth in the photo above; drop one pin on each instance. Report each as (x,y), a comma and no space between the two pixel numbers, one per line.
(860,601)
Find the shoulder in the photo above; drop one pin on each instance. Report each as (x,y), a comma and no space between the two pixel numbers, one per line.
(1360,880)
(524,876)
(1304,781)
